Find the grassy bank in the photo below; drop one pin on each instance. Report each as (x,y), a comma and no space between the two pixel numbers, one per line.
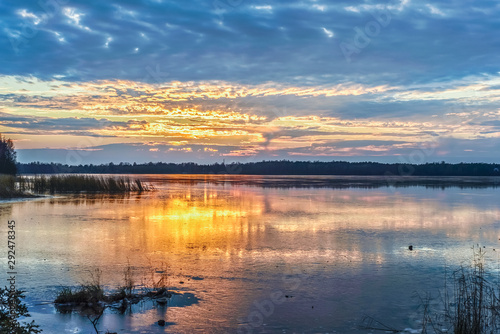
(24,186)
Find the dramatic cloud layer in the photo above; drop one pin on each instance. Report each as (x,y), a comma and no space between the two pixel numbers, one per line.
(88,81)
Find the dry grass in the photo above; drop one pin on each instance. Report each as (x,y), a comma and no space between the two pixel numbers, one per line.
(82,183)
(90,293)
(22,186)
(470,306)
(476,300)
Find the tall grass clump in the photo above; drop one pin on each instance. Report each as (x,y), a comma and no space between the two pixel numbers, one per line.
(90,293)
(83,294)
(476,299)
(81,183)
(91,301)
(471,305)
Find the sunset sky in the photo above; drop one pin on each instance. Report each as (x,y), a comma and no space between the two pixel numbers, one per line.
(246,80)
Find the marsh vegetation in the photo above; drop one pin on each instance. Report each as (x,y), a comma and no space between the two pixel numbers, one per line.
(91,299)
(153,284)
(28,186)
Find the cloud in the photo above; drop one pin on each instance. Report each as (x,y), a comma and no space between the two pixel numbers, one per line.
(139,153)
(252,77)
(77,126)
(253,42)
(347,119)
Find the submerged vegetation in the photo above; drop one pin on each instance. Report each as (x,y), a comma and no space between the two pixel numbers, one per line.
(26,186)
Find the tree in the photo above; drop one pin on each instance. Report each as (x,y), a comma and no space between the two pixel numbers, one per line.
(11,308)
(7,156)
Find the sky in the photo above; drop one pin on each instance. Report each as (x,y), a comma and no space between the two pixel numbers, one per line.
(249,80)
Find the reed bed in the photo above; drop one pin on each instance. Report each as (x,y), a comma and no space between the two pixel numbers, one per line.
(81,183)
(8,187)
(22,186)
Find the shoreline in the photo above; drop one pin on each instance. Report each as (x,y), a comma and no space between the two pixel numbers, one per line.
(23,198)
(293,181)
(327,181)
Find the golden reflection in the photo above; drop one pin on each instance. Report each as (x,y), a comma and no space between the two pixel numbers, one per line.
(265,224)
(240,241)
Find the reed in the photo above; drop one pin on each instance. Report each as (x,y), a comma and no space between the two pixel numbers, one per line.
(471,306)
(23,186)
(90,293)
(128,288)
(82,294)
(8,188)
(476,300)
(80,183)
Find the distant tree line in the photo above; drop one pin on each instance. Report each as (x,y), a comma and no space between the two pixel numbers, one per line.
(281,167)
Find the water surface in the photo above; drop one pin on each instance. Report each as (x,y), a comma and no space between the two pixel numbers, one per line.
(257,256)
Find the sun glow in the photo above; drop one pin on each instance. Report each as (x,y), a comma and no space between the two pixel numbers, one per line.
(232,119)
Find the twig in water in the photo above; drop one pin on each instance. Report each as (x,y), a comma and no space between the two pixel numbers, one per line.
(369,322)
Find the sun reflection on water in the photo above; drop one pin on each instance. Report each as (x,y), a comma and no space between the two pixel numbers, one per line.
(240,241)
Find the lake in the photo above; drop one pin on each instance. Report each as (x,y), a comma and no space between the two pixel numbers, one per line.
(253,254)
